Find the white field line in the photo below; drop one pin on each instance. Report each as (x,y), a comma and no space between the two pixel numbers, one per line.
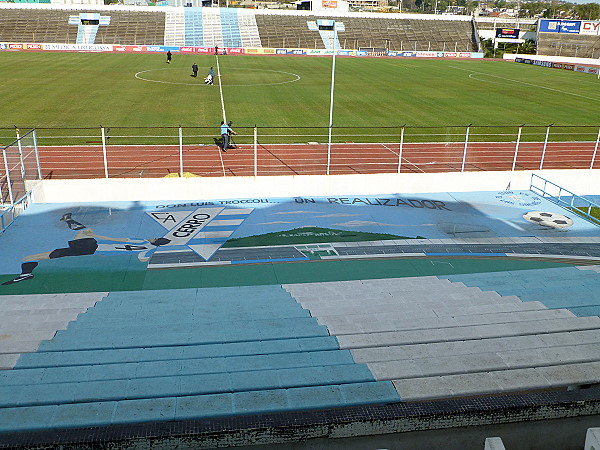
(221,90)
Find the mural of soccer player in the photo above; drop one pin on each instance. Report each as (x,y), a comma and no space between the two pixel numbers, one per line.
(86,242)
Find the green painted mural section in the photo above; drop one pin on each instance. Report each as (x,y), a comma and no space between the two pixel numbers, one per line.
(126,273)
(311,235)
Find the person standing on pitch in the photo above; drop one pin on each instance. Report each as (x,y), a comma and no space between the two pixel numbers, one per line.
(225,131)
(194,70)
(169,56)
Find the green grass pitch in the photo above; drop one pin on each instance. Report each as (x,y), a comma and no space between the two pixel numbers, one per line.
(88,90)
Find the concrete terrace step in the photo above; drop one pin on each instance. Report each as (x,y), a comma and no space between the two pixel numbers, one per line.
(194,407)
(250,348)
(426,310)
(367,325)
(183,318)
(202,335)
(474,298)
(360,293)
(159,387)
(174,367)
(475,346)
(198,327)
(484,331)
(499,381)
(270,293)
(75,299)
(482,362)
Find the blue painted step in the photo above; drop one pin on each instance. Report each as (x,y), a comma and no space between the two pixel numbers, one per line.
(195,407)
(174,367)
(83,357)
(157,387)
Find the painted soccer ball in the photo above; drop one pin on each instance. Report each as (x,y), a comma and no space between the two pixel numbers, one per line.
(548,219)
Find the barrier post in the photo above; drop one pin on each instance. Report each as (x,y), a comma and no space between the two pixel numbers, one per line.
(400,149)
(10,193)
(595,147)
(255,150)
(517,147)
(180,151)
(104,151)
(545,145)
(20,145)
(464,158)
(37,154)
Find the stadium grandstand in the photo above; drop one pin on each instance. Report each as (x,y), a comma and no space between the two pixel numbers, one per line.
(332,287)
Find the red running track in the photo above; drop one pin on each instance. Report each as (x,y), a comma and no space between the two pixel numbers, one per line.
(310,159)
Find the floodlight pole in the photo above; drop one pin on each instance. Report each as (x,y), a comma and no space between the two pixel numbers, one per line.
(331,101)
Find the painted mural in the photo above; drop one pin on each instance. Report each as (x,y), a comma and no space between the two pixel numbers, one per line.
(120,237)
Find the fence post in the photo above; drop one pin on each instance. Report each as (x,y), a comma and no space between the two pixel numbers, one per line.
(104,151)
(37,154)
(545,145)
(401,145)
(517,147)
(329,149)
(10,193)
(464,159)
(20,145)
(180,151)
(255,150)
(595,147)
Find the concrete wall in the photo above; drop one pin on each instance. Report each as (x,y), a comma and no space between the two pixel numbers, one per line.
(581,182)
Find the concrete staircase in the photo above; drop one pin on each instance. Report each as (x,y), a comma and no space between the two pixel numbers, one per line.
(434,338)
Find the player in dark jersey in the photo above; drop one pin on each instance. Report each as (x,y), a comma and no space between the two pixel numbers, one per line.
(86,242)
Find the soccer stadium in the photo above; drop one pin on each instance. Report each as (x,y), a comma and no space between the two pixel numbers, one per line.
(311,227)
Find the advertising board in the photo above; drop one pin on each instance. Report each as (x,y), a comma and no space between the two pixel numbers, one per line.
(507,33)
(559,26)
(590,28)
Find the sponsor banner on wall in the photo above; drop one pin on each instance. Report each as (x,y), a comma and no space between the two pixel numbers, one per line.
(555,65)
(590,28)
(3,47)
(559,26)
(161,48)
(507,33)
(129,48)
(260,51)
(329,4)
(296,51)
(586,69)
(235,50)
(281,51)
(35,46)
(436,54)
(16,46)
(78,47)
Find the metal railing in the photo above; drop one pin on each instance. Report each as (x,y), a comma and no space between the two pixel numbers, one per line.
(104,152)
(20,170)
(564,197)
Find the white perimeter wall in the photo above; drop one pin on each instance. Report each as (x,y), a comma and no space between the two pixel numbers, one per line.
(581,182)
